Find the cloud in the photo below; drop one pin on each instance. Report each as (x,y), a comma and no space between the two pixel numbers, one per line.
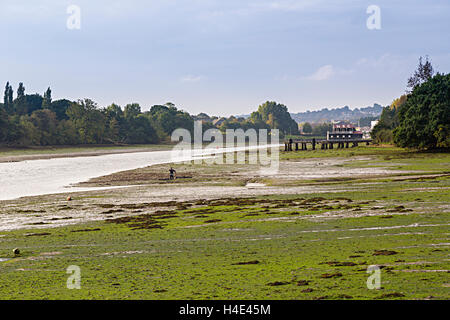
(323,73)
(191,78)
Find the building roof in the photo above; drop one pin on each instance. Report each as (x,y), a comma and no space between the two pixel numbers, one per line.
(343,125)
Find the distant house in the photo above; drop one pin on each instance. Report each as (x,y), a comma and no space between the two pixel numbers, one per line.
(203,117)
(343,131)
(373,124)
(365,131)
(219,122)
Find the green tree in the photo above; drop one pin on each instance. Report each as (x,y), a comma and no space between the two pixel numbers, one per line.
(423,73)
(424,119)
(8,98)
(29,134)
(276,116)
(322,129)
(165,119)
(384,136)
(13,131)
(383,131)
(59,107)
(116,124)
(20,91)
(27,104)
(67,133)
(88,120)
(4,125)
(307,128)
(132,110)
(47,102)
(140,130)
(45,122)
(5,96)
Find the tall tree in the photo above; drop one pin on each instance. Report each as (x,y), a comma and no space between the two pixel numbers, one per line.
(10,96)
(423,73)
(47,102)
(20,91)
(6,97)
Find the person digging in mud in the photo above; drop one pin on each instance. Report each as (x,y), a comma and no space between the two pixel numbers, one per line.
(172,174)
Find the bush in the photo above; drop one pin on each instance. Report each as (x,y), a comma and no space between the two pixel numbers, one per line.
(384,136)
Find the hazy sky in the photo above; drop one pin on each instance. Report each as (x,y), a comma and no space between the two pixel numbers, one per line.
(222,57)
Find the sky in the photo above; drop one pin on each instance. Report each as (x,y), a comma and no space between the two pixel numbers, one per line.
(221,57)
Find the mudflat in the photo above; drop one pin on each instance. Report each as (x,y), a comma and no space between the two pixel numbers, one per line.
(227,232)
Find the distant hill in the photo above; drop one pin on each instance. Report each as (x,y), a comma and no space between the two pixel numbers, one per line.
(344,113)
(325,115)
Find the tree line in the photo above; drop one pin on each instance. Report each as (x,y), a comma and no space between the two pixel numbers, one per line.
(421,117)
(38,120)
(35,120)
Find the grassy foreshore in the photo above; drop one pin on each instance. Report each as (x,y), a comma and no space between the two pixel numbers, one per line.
(301,237)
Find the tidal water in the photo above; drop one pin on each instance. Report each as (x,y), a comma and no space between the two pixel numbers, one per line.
(39,177)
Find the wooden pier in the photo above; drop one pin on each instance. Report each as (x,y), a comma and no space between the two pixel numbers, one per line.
(302,145)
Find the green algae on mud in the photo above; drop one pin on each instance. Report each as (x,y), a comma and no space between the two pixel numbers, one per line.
(187,258)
